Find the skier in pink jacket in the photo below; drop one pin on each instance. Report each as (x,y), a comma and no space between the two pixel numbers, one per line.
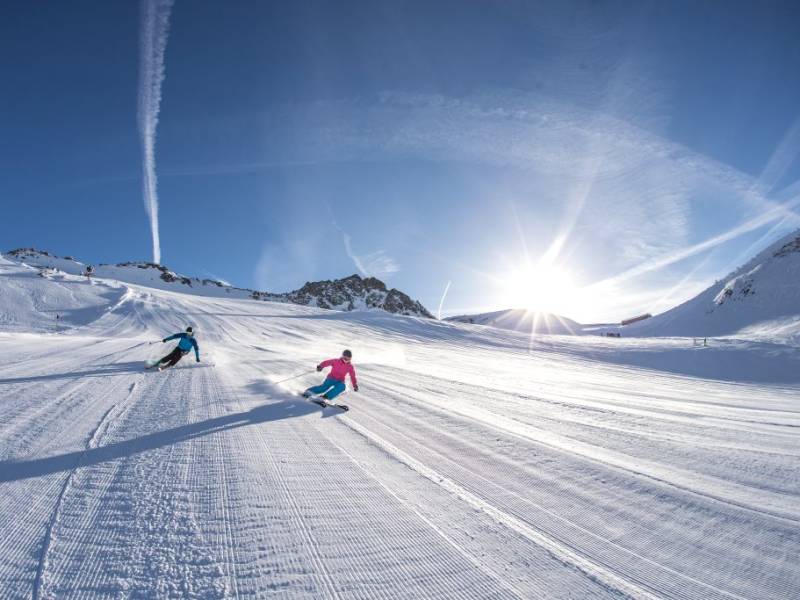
(334,382)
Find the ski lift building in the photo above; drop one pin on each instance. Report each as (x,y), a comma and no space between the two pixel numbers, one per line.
(635,319)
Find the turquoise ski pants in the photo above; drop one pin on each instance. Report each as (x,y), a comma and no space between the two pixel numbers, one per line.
(330,387)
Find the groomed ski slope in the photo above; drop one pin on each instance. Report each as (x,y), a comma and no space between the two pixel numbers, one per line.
(474,463)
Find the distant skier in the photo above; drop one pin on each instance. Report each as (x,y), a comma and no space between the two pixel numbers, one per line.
(334,382)
(187,342)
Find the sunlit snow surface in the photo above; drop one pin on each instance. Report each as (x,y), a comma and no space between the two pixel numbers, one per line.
(474,463)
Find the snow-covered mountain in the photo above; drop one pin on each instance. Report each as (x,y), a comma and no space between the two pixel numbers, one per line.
(518,319)
(759,299)
(350,293)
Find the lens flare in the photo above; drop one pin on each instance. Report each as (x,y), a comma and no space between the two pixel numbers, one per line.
(540,288)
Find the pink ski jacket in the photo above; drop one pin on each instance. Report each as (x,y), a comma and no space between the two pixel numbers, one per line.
(340,370)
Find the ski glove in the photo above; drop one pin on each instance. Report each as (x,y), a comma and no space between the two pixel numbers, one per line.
(355,388)
(319,367)
(164,341)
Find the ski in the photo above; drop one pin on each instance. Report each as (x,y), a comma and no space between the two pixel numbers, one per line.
(326,403)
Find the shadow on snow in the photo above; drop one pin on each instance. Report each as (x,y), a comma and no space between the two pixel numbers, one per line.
(122,368)
(15,470)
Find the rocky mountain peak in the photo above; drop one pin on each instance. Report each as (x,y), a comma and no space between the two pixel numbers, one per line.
(356,292)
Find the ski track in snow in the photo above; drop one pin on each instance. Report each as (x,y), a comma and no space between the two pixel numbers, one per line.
(473,464)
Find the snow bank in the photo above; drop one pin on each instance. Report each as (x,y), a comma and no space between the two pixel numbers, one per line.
(759,298)
(51,300)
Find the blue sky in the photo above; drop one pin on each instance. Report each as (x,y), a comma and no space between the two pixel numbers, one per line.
(626,153)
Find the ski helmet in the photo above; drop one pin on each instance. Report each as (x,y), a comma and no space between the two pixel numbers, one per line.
(347,353)
(189,330)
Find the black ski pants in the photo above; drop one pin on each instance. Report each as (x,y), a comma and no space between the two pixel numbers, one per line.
(172,358)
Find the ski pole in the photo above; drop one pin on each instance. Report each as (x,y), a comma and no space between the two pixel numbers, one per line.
(295,377)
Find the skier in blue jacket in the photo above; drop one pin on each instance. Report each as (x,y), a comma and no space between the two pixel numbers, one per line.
(187,342)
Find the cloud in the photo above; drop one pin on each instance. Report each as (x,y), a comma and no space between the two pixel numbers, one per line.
(235,168)
(598,169)
(778,211)
(618,185)
(379,264)
(152,46)
(373,264)
(782,158)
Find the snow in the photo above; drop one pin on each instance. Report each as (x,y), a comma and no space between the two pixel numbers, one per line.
(475,462)
(140,273)
(28,305)
(759,299)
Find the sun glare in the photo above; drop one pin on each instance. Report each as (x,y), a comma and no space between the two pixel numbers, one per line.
(540,288)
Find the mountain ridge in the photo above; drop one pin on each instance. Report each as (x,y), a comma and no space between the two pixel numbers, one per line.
(346,294)
(761,294)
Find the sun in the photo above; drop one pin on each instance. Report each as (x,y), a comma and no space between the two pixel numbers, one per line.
(540,288)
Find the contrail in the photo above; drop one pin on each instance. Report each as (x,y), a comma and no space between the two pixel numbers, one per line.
(152,46)
(777,212)
(441,302)
(348,248)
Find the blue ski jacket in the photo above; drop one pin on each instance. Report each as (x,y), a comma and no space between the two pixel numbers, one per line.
(187,342)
